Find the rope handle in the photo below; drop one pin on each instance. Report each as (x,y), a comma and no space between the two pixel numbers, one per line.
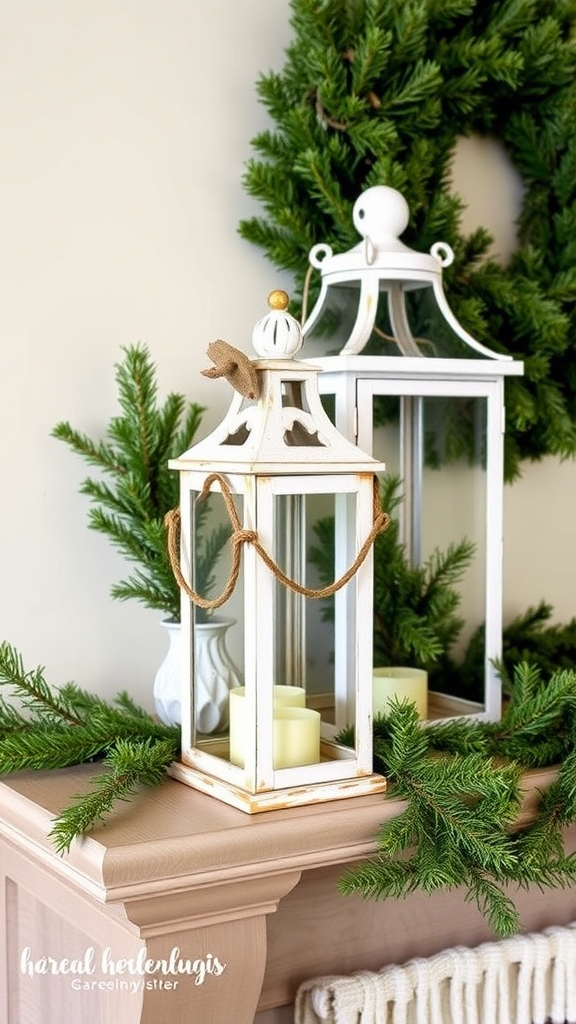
(241,536)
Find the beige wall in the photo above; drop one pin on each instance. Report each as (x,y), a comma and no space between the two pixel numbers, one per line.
(124,128)
(125,125)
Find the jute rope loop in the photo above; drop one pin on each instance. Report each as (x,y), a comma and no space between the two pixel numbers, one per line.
(240,536)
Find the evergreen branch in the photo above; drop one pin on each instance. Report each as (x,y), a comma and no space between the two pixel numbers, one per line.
(413,635)
(46,743)
(421,83)
(138,544)
(127,504)
(473,827)
(48,746)
(116,721)
(32,689)
(443,569)
(127,705)
(379,879)
(493,903)
(461,808)
(370,59)
(137,488)
(530,717)
(71,726)
(11,720)
(137,392)
(455,736)
(80,701)
(129,765)
(559,802)
(99,454)
(149,592)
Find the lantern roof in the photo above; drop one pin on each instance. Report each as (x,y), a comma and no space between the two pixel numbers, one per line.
(380,263)
(276,422)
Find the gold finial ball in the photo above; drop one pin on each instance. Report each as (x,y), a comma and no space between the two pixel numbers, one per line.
(277,335)
(278,299)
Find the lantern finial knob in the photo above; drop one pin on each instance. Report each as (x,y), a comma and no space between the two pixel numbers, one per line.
(278,299)
(277,335)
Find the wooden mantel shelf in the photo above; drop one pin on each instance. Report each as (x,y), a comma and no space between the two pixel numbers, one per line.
(176,870)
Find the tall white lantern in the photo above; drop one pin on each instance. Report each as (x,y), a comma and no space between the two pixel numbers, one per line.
(432,398)
(278,466)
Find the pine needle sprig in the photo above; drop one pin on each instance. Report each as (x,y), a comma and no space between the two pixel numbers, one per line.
(461,823)
(541,844)
(126,703)
(456,737)
(494,903)
(11,720)
(537,709)
(466,802)
(81,702)
(118,722)
(95,453)
(379,878)
(32,690)
(58,728)
(135,487)
(129,766)
(45,746)
(542,860)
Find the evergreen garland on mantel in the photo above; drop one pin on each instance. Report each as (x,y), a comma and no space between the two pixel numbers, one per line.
(460,780)
(59,727)
(377,92)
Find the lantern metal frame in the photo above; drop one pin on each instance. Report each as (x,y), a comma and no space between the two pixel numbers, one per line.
(387,271)
(248,455)
(355,381)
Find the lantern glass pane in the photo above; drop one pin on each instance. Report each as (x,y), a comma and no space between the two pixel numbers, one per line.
(418,317)
(454,509)
(335,321)
(434,336)
(304,626)
(218,635)
(436,448)
(312,546)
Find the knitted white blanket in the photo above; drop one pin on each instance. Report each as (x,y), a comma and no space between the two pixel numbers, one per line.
(528,979)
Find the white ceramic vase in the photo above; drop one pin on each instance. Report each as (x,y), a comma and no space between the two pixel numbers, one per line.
(215,675)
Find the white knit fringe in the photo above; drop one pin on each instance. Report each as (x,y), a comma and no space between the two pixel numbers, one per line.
(528,979)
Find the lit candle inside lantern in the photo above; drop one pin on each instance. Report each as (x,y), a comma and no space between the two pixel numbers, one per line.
(296,728)
(403,684)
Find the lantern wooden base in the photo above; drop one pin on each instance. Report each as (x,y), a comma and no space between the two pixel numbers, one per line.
(441,707)
(277,799)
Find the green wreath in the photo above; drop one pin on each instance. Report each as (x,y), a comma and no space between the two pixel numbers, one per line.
(378,92)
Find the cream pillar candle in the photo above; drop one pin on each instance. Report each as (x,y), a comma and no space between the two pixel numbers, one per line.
(284,696)
(402,683)
(289,697)
(296,737)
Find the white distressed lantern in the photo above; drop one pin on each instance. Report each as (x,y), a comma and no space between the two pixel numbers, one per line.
(278,465)
(432,396)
